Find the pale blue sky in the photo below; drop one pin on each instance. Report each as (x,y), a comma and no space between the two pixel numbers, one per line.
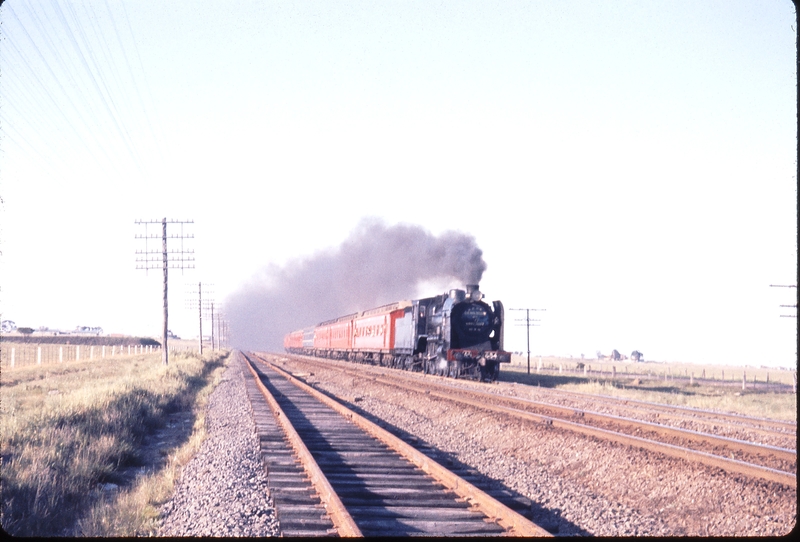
(630,166)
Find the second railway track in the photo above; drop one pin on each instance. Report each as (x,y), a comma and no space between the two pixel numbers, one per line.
(340,474)
(771,463)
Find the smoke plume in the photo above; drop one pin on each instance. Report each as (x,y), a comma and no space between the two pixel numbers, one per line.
(375,265)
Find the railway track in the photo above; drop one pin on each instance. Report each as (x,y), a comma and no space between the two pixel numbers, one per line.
(735,456)
(332,472)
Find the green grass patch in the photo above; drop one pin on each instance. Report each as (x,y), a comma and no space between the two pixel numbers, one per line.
(67,428)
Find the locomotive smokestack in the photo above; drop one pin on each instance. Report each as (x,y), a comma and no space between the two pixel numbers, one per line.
(473,293)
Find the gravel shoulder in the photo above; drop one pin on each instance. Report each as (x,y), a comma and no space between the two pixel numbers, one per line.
(223,489)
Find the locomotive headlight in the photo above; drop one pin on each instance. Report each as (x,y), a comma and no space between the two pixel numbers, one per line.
(476,295)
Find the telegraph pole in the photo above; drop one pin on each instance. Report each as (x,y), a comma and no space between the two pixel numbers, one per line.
(201,306)
(786,306)
(528,325)
(220,323)
(212,326)
(149,259)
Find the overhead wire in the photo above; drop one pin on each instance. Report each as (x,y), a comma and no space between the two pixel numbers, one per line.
(156,139)
(107,97)
(55,78)
(134,82)
(117,97)
(63,73)
(66,61)
(94,77)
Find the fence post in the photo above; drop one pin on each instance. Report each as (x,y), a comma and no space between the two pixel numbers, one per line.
(613,371)
(129,350)
(691,379)
(744,379)
(38,355)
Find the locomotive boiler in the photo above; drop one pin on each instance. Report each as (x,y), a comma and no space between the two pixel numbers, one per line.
(455,334)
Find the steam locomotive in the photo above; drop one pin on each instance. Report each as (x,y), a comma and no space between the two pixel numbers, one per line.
(455,334)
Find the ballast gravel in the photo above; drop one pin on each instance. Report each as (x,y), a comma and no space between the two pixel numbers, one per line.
(579,485)
(223,489)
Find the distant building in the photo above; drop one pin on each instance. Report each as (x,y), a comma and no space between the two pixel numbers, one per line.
(86,330)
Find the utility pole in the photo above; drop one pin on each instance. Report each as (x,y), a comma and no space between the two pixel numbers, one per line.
(212,327)
(203,305)
(528,325)
(223,330)
(787,306)
(220,329)
(149,259)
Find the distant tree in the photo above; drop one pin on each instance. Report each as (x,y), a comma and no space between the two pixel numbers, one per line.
(25,330)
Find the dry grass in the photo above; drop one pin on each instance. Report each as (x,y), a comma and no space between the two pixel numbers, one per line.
(779,406)
(682,386)
(65,429)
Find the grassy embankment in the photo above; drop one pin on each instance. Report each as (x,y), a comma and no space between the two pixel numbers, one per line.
(767,393)
(68,428)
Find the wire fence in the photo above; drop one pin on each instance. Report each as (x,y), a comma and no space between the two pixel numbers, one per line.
(22,355)
(665,372)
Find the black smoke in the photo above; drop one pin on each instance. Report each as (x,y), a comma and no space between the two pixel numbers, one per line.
(377,264)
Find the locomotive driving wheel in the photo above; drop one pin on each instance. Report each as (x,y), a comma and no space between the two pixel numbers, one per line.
(489,371)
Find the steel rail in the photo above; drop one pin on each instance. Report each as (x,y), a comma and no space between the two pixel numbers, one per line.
(792,426)
(731,465)
(515,523)
(342,521)
(664,430)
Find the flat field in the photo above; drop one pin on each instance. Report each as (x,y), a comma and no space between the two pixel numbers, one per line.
(74,459)
(767,392)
